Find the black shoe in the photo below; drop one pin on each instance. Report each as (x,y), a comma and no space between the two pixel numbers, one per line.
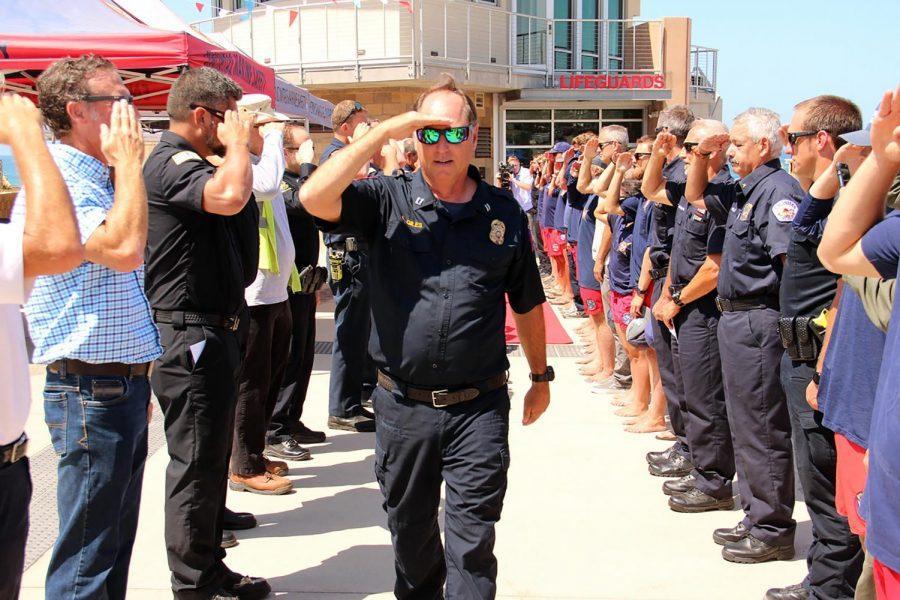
(791,592)
(288,449)
(660,457)
(236,521)
(679,486)
(729,535)
(752,551)
(221,594)
(305,435)
(695,501)
(228,539)
(246,587)
(367,404)
(359,423)
(677,466)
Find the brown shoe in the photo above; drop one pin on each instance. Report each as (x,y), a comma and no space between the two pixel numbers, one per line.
(264,483)
(276,467)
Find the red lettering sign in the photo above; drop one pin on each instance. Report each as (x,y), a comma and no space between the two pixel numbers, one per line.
(612,82)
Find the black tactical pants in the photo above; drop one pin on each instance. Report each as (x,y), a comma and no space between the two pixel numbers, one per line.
(15,496)
(465,446)
(666,348)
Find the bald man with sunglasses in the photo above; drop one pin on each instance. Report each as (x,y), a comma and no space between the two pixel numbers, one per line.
(445,248)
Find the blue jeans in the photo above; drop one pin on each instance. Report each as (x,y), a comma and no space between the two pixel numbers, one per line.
(98,426)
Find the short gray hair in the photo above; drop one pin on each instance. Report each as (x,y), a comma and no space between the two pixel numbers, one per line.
(615,133)
(761,123)
(203,86)
(678,119)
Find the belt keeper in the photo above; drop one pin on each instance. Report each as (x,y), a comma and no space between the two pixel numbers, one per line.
(63,368)
(178,319)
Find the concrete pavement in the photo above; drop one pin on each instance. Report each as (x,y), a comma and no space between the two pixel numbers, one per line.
(582,519)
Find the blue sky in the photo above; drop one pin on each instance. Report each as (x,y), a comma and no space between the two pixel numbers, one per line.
(775,53)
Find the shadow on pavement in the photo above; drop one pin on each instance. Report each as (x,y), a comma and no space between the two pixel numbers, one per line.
(356,508)
(348,442)
(355,573)
(345,474)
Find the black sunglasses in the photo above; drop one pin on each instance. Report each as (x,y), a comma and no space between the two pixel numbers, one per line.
(357,107)
(605,144)
(640,155)
(454,135)
(126,97)
(213,111)
(689,146)
(793,136)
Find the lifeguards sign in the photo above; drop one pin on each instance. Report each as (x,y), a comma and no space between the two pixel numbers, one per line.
(612,82)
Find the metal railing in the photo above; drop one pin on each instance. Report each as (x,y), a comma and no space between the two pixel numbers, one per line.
(703,70)
(340,35)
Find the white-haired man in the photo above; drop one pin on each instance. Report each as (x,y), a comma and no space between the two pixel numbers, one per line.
(758,211)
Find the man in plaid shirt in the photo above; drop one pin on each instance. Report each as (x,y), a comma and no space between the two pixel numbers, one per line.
(92,327)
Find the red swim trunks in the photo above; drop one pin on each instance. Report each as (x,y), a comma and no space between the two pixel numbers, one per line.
(555,243)
(850,482)
(887,582)
(593,301)
(621,307)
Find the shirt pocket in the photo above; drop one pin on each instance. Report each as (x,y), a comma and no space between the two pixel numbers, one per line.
(487,266)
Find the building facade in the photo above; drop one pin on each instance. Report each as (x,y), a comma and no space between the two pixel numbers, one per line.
(539,70)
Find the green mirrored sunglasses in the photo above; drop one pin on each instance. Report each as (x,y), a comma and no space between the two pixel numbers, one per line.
(453,135)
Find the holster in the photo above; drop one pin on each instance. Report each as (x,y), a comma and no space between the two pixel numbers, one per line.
(800,338)
(312,278)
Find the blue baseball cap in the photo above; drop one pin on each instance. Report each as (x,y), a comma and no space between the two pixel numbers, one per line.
(560,147)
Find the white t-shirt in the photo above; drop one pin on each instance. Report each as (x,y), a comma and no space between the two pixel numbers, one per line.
(15,388)
(270,287)
(523,197)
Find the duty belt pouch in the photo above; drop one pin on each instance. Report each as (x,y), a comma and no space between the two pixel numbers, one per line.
(786,332)
(336,264)
(799,339)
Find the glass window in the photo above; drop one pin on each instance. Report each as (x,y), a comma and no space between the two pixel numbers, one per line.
(528,134)
(615,65)
(562,60)
(527,115)
(623,113)
(590,41)
(531,32)
(566,131)
(589,64)
(635,129)
(614,9)
(578,114)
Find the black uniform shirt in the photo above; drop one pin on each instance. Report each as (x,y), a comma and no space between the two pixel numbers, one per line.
(438,281)
(758,211)
(195,261)
(697,235)
(807,287)
(301,223)
(662,229)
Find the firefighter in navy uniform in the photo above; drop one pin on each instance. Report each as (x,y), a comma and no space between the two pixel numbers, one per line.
(202,251)
(445,249)
(758,210)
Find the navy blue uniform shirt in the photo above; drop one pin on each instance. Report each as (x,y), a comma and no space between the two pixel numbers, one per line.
(333,147)
(551,200)
(559,216)
(697,235)
(758,211)
(576,200)
(662,230)
(586,277)
(437,281)
(640,239)
(622,227)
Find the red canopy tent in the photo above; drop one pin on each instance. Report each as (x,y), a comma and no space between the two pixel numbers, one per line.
(148,59)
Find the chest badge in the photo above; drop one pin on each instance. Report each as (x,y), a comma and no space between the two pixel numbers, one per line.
(498,231)
(745,214)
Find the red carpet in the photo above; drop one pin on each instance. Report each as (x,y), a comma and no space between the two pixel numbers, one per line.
(555,332)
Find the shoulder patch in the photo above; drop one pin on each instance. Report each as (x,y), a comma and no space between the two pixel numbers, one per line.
(184,156)
(785,210)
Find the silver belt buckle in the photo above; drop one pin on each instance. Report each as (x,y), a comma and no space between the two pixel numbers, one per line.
(18,450)
(436,395)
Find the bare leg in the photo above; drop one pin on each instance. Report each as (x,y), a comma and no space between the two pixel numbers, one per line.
(606,348)
(640,378)
(655,417)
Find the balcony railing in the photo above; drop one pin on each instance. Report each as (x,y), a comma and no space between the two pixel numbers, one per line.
(704,67)
(479,39)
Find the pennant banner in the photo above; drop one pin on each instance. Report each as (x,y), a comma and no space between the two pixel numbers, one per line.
(407,5)
(199,6)
(293,17)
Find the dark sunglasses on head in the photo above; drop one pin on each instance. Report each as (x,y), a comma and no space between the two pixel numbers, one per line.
(213,111)
(454,135)
(357,107)
(793,136)
(126,97)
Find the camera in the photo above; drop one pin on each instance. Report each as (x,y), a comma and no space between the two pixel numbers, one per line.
(505,174)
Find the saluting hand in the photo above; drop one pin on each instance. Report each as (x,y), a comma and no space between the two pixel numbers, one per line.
(360,130)
(590,149)
(885,132)
(663,143)
(852,156)
(233,132)
(121,141)
(18,115)
(714,143)
(306,152)
(537,399)
(624,162)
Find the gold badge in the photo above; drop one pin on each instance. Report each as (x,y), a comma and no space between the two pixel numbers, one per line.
(745,214)
(498,231)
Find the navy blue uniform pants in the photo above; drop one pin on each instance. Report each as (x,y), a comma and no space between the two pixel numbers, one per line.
(295,383)
(465,446)
(760,426)
(835,557)
(705,417)
(537,242)
(666,348)
(15,496)
(352,369)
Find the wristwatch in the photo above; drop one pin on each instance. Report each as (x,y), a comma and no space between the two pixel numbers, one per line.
(816,377)
(547,375)
(676,298)
(641,292)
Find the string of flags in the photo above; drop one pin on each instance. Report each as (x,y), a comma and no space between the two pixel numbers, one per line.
(249,5)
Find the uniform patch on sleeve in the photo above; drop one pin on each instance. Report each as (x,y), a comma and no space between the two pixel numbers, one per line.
(785,210)
(184,156)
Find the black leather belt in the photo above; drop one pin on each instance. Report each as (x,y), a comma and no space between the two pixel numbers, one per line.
(69,366)
(748,303)
(658,273)
(11,453)
(180,319)
(444,397)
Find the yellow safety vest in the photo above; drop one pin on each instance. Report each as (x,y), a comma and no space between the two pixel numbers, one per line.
(268,248)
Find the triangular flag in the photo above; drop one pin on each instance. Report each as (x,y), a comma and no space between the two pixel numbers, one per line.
(292,17)
(408,5)
(199,6)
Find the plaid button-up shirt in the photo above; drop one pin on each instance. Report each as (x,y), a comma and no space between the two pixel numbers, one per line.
(92,313)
